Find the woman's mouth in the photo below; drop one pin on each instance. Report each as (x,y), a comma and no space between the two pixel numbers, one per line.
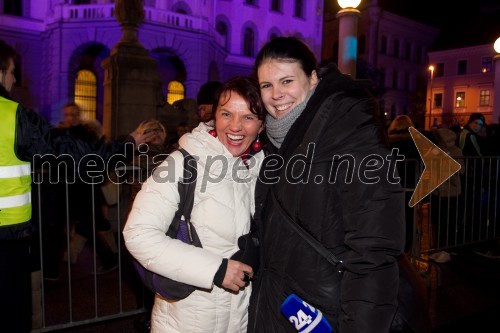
(282,109)
(235,139)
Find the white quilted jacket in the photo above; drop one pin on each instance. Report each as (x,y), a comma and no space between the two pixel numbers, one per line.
(221,214)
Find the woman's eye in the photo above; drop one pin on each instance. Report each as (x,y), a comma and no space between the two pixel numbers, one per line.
(225,114)
(264,86)
(287,81)
(249,117)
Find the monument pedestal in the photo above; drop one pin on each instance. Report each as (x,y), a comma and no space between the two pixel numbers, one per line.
(132,86)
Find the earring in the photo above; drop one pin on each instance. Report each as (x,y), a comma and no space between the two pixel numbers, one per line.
(257,146)
(213,133)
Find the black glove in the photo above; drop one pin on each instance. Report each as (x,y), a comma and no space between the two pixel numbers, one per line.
(249,252)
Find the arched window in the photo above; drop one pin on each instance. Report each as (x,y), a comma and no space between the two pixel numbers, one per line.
(175,92)
(248,42)
(299,9)
(86,93)
(276,5)
(221,28)
(13,7)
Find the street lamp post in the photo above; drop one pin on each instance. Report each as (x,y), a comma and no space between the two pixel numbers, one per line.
(496,85)
(348,36)
(431,69)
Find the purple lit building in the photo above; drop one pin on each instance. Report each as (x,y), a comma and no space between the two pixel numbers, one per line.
(62,43)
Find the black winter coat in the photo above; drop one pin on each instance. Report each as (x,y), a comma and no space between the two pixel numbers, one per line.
(361,223)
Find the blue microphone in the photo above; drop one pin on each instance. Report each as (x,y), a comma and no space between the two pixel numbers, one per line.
(304,317)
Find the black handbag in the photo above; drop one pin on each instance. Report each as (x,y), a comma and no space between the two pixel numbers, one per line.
(180,228)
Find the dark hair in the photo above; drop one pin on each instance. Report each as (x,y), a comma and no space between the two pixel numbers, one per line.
(71,104)
(288,49)
(207,92)
(6,52)
(248,88)
(475,116)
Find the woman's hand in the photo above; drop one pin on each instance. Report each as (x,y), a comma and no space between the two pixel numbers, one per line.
(237,275)
(140,137)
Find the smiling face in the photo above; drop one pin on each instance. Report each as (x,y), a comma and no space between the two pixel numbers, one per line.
(236,126)
(284,85)
(7,78)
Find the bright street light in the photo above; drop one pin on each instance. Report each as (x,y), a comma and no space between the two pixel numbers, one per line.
(349,3)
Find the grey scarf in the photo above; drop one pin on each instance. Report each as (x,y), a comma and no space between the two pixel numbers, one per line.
(277,129)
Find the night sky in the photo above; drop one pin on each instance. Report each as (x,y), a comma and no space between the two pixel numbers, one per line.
(471,23)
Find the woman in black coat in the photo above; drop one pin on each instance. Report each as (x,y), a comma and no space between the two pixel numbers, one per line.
(328,169)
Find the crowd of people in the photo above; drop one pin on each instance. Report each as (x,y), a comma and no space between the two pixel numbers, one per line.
(464,209)
(266,153)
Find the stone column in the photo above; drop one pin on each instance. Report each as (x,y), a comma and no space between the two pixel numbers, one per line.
(132,86)
(496,93)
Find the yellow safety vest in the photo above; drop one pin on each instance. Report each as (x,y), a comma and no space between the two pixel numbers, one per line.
(15,175)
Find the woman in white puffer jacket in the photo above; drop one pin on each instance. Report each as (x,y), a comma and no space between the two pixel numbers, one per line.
(223,204)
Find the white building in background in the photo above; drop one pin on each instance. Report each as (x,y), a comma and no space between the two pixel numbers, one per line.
(62,43)
(463,83)
(392,51)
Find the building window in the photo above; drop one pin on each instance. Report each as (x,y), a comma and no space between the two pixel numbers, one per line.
(382,77)
(407,51)
(248,42)
(221,28)
(395,75)
(460,99)
(13,7)
(276,5)
(418,54)
(175,92)
(251,2)
(439,70)
(484,98)
(383,45)
(462,67)
(438,100)
(395,50)
(299,8)
(486,64)
(86,93)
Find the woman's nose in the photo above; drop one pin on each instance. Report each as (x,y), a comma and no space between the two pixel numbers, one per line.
(235,124)
(277,93)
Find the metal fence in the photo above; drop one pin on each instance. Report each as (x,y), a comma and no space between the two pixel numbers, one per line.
(462,211)
(71,284)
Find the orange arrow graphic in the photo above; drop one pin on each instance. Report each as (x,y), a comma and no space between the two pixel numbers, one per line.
(438,166)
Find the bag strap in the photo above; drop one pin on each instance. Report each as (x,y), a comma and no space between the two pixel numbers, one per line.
(186,188)
(187,185)
(320,248)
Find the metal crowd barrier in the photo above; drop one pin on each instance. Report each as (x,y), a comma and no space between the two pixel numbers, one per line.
(463,211)
(444,220)
(71,294)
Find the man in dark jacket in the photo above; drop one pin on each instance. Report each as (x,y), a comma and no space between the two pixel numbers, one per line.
(24,134)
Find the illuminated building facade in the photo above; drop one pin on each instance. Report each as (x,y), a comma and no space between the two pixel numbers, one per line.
(62,43)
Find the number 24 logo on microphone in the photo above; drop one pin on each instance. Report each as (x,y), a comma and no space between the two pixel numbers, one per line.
(302,319)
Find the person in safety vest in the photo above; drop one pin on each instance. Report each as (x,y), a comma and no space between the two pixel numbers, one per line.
(23,134)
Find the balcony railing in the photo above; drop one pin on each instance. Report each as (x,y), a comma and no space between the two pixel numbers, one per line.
(153,15)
